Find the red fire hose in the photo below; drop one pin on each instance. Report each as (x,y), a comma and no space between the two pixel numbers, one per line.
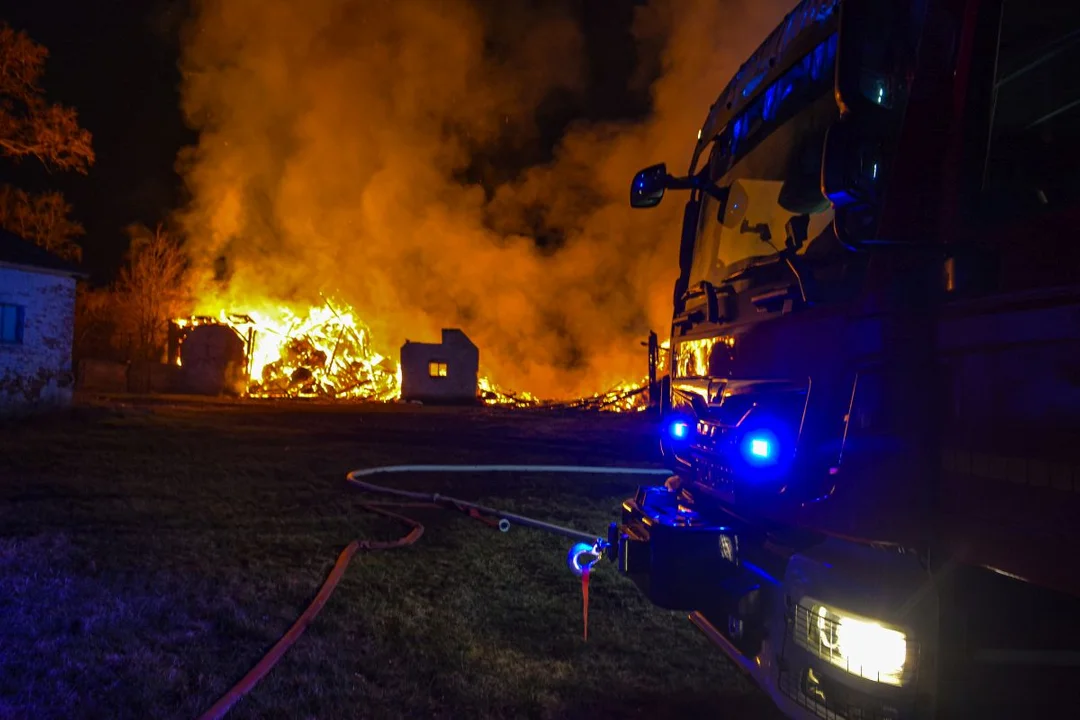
(479,512)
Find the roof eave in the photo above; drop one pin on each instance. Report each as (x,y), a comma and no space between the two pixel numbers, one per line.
(77,274)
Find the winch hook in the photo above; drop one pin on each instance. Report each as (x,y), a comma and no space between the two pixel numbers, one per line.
(574,559)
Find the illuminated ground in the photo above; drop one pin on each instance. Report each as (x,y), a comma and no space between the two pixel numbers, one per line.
(149,555)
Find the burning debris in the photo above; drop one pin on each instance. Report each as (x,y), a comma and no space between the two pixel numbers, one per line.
(625,397)
(328,357)
(327,353)
(492,394)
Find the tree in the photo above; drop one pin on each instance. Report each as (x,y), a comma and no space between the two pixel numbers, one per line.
(31,126)
(97,315)
(44,219)
(151,289)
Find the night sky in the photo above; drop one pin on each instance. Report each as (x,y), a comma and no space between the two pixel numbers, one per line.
(115,61)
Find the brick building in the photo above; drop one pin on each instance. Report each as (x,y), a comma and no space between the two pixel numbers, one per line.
(446,372)
(37,323)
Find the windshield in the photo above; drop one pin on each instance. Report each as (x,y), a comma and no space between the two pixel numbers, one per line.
(769,160)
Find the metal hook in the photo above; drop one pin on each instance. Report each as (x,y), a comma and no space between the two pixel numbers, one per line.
(573,560)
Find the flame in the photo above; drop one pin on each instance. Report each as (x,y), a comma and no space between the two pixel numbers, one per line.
(323,352)
(492,394)
(624,397)
(326,351)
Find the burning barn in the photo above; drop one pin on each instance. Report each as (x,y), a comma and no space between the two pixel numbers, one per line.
(325,354)
(447,372)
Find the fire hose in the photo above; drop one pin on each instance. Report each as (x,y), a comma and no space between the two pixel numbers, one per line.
(588,545)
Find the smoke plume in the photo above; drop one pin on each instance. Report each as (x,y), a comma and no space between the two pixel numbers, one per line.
(335,142)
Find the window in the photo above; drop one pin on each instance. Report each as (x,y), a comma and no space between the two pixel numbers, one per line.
(793,91)
(437,369)
(777,180)
(769,157)
(1033,160)
(11,323)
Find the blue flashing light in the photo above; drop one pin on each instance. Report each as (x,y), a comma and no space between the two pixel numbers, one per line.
(679,430)
(760,448)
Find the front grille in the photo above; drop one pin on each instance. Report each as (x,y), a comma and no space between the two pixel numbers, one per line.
(710,464)
(801,688)
(707,434)
(711,473)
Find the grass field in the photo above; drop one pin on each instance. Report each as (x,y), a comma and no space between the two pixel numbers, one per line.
(151,553)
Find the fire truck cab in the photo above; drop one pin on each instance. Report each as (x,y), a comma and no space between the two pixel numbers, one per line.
(872,400)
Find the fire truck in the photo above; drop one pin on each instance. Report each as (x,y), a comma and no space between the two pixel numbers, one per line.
(871,407)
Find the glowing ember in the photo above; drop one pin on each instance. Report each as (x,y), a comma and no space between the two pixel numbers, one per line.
(327,352)
(492,394)
(624,397)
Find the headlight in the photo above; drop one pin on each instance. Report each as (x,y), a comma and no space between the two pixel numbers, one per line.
(859,645)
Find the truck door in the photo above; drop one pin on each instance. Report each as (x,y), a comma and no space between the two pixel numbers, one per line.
(1010,341)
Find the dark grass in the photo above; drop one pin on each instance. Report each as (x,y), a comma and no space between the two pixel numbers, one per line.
(151,553)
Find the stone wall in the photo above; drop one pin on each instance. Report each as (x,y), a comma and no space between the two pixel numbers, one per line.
(107,376)
(159,378)
(36,372)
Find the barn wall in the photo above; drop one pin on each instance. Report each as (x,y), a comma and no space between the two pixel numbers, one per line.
(37,371)
(214,361)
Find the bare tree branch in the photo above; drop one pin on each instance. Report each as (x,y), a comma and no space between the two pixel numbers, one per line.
(31,126)
(151,287)
(44,219)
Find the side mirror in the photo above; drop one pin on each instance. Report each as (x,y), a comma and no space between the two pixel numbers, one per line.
(852,166)
(647,189)
(853,170)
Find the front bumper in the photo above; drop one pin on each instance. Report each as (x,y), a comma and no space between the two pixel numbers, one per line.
(730,578)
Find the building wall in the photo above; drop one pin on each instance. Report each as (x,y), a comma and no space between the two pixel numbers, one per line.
(462,365)
(37,371)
